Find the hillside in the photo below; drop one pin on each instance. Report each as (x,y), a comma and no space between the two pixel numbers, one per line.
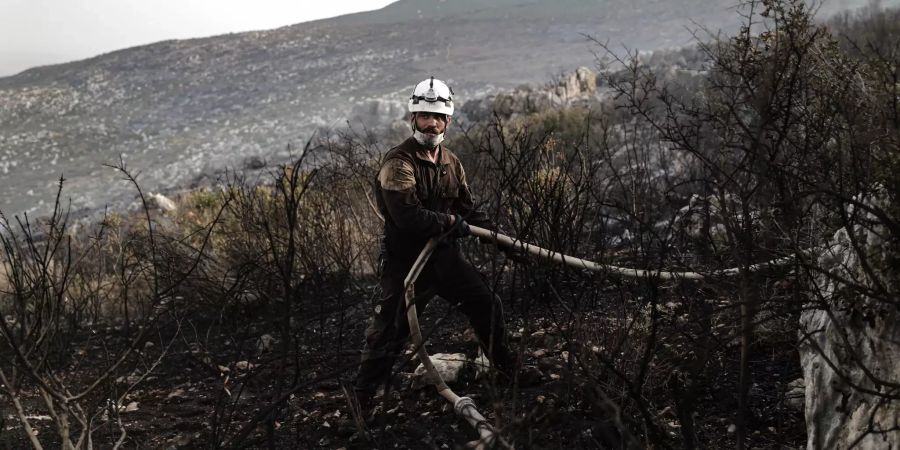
(180,110)
(738,205)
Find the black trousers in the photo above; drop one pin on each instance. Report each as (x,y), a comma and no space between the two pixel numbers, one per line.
(451,277)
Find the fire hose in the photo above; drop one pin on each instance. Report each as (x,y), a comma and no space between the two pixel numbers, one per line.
(465,406)
(518,245)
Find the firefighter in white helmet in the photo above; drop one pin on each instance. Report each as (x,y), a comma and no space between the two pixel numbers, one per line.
(430,98)
(422,192)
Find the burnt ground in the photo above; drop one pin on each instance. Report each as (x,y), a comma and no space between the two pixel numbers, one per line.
(220,372)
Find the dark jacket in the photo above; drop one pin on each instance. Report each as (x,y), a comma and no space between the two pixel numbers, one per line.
(417,198)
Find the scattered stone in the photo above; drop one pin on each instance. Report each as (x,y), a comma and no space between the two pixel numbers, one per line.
(160,202)
(177,393)
(795,397)
(131,407)
(265,343)
(244,365)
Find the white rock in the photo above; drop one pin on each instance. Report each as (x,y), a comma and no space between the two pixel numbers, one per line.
(160,202)
(177,393)
(244,365)
(575,85)
(448,365)
(848,338)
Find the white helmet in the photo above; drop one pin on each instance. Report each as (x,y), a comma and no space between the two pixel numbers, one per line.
(432,96)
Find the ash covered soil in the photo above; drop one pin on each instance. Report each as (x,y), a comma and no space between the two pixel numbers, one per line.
(222,371)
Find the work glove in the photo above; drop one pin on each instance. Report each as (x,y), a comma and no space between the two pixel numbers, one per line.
(513,254)
(460,228)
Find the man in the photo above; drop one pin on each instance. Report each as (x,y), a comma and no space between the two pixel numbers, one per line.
(422,192)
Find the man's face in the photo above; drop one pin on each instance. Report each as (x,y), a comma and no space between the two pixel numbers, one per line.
(431,123)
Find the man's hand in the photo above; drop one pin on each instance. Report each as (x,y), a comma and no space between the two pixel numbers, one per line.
(513,254)
(458,227)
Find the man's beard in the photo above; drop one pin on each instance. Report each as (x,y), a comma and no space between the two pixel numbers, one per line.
(429,140)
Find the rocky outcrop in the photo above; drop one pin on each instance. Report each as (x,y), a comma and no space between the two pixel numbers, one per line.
(180,109)
(578,84)
(377,112)
(850,342)
(568,89)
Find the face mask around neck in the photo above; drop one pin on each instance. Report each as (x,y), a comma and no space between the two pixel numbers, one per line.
(428,140)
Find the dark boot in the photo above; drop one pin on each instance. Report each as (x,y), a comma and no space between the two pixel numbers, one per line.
(361,414)
(365,407)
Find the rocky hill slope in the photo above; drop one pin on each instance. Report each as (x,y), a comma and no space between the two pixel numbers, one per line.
(177,110)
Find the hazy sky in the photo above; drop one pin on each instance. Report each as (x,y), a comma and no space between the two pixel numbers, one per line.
(39,32)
